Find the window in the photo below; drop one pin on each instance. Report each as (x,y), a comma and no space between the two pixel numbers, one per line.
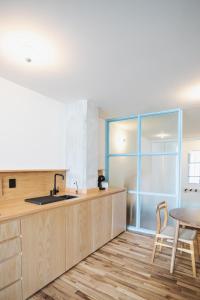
(194,166)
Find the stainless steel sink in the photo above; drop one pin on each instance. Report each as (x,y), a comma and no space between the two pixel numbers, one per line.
(49,199)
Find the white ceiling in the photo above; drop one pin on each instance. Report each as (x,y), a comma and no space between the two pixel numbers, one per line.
(129,56)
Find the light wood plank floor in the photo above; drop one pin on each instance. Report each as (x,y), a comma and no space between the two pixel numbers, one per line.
(121,270)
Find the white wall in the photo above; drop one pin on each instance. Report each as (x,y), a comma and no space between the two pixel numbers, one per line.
(189,199)
(32,129)
(37,132)
(101,146)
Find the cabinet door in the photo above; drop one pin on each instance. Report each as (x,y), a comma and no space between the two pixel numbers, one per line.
(118,213)
(78,233)
(43,249)
(101,221)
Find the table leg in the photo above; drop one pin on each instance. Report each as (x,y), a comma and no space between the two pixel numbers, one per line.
(174,247)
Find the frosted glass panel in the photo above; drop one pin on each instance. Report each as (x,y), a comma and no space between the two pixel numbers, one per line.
(163,146)
(123,172)
(158,174)
(123,137)
(159,133)
(131,209)
(194,156)
(148,210)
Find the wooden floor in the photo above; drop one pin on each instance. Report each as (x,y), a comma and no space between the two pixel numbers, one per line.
(121,270)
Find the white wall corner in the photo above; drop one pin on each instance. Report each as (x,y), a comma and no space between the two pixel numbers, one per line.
(92,144)
(82,143)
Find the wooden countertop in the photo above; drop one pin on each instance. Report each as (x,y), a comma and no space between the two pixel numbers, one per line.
(16,208)
(33,170)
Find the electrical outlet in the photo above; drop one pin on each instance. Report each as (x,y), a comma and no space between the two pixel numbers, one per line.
(12,183)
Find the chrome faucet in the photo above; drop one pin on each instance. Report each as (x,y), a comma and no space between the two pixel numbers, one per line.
(76,183)
(55,190)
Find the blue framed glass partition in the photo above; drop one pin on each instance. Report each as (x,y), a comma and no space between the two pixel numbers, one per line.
(143,154)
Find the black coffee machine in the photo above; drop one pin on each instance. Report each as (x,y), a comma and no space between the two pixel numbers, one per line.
(101,178)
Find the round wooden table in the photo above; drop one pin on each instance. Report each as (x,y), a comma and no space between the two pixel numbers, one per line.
(187,217)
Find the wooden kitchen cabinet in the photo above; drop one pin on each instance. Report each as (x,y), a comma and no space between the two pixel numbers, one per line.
(101,221)
(12,292)
(92,224)
(118,213)
(43,248)
(10,271)
(10,261)
(39,247)
(9,230)
(78,233)
(10,248)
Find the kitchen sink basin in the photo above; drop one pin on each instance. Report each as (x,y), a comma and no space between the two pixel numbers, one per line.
(49,199)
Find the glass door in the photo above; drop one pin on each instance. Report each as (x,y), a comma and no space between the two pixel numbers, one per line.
(121,159)
(143,155)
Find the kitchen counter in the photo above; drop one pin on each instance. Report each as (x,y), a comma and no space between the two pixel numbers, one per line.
(16,208)
(39,243)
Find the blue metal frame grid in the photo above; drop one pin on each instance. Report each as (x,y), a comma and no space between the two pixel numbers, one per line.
(139,155)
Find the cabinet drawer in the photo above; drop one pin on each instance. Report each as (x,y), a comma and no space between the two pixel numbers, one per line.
(9,230)
(10,248)
(10,271)
(13,292)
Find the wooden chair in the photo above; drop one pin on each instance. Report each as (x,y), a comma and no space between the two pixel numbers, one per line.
(165,236)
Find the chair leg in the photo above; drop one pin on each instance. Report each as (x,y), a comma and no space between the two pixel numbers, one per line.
(181,245)
(197,248)
(193,259)
(174,247)
(154,249)
(160,248)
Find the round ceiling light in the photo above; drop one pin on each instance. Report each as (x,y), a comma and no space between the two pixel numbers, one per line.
(191,92)
(28,47)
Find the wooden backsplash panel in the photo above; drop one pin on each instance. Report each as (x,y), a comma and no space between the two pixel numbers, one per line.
(29,183)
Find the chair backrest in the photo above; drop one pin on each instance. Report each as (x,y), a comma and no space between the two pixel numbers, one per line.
(159,224)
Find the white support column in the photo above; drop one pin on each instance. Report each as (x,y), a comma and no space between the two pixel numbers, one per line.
(82,144)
